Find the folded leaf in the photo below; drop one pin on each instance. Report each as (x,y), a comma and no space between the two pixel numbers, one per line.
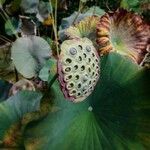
(30,54)
(11,112)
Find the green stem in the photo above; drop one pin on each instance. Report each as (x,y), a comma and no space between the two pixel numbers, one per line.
(52,81)
(16,75)
(54,25)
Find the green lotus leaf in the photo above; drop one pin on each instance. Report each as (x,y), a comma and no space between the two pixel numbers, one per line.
(114,116)
(11,112)
(49,67)
(129,4)
(30,54)
(134,5)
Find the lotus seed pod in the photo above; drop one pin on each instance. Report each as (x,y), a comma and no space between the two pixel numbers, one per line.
(78,69)
(123,32)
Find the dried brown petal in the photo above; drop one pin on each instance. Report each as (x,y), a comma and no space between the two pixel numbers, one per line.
(124,32)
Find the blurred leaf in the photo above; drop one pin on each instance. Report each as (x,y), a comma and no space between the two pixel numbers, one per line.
(5,59)
(2,2)
(11,112)
(13,7)
(110,118)
(49,68)
(44,10)
(127,4)
(30,54)
(30,6)
(134,5)
(84,1)
(4,89)
(13,28)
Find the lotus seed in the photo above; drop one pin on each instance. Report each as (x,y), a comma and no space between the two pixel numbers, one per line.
(88,48)
(73,51)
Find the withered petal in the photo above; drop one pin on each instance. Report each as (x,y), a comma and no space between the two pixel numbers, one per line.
(125,33)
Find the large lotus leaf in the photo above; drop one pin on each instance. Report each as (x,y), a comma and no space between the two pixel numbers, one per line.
(11,112)
(114,117)
(30,54)
(4,89)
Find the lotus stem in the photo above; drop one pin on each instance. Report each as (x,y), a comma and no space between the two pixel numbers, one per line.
(16,75)
(54,24)
(52,81)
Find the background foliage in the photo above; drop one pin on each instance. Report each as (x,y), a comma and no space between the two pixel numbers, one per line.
(38,117)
